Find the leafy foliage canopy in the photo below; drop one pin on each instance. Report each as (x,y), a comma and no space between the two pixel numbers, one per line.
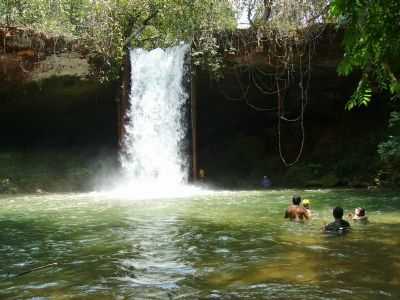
(371,45)
(107,27)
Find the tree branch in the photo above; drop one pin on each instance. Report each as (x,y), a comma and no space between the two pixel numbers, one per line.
(267,9)
(139,31)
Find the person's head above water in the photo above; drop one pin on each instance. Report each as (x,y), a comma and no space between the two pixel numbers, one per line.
(360,212)
(306,203)
(296,199)
(338,212)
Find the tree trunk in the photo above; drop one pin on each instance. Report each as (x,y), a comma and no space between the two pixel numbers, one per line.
(267,9)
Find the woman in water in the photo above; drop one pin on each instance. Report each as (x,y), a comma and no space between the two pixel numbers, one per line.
(359,215)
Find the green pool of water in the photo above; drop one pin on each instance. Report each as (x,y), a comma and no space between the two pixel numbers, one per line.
(227,245)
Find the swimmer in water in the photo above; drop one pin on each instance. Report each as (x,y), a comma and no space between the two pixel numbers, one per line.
(295,212)
(306,205)
(359,215)
(339,225)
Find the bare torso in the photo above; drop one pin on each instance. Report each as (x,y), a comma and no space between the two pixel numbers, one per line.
(295,212)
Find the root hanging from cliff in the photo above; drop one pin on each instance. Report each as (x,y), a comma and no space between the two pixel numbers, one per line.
(288,69)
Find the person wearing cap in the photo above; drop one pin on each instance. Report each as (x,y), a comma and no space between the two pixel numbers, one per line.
(339,225)
(306,205)
(295,212)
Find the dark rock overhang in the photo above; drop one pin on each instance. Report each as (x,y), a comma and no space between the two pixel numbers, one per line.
(256,48)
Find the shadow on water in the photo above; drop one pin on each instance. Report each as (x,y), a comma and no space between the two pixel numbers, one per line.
(312,266)
(264,255)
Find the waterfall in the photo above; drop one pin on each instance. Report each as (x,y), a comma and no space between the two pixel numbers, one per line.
(153,153)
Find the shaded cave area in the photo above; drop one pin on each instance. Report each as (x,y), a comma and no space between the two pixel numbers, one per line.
(58,112)
(239,144)
(58,134)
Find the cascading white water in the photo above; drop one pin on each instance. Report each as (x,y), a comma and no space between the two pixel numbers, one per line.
(152,155)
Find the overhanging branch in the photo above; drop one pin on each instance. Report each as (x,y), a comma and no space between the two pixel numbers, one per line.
(139,31)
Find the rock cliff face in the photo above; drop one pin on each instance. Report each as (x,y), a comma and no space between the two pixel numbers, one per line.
(45,103)
(26,55)
(46,96)
(251,48)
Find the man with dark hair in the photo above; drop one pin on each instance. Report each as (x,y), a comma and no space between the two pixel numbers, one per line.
(295,211)
(339,225)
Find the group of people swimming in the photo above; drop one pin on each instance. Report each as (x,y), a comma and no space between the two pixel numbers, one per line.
(302,211)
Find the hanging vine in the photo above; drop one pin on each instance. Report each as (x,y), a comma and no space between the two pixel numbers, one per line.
(286,36)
